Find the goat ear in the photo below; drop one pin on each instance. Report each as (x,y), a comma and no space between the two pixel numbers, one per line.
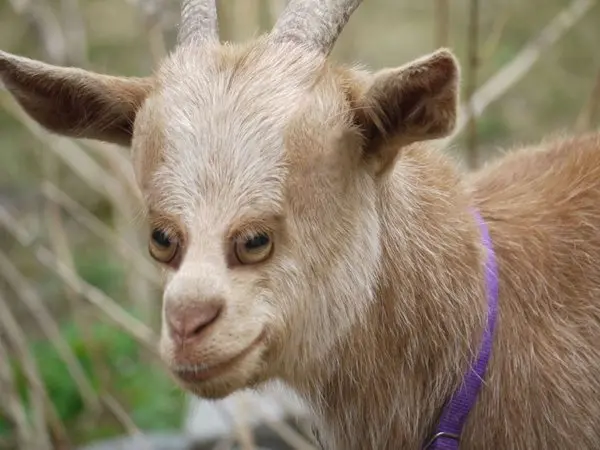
(75,102)
(415,102)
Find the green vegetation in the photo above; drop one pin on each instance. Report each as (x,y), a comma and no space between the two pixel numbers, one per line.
(144,391)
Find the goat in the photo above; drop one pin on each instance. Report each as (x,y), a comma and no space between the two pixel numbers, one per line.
(311,233)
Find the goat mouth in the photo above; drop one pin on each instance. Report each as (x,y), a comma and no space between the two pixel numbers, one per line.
(197,373)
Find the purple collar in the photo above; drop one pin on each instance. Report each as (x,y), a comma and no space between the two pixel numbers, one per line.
(454,416)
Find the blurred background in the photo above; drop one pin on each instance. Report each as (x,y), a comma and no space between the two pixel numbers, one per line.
(80,298)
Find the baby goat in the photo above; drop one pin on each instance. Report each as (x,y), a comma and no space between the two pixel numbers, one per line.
(310,235)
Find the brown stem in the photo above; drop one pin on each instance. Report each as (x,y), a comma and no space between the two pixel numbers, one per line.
(471,80)
(442,23)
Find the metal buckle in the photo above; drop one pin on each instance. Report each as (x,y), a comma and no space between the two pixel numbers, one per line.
(456,437)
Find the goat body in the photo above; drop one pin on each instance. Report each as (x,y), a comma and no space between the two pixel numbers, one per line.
(391,375)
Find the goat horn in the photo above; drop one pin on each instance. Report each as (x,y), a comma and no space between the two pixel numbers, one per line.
(198,21)
(314,23)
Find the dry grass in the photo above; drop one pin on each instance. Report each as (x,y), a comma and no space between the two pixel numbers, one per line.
(69,210)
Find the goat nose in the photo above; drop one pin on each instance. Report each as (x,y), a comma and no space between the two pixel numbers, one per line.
(186,322)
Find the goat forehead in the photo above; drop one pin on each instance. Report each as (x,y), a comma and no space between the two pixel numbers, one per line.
(238,78)
(222,160)
(218,188)
(223,125)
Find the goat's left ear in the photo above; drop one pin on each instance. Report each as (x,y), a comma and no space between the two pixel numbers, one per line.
(415,102)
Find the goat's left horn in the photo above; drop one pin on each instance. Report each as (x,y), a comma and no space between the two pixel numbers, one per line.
(314,23)
(198,21)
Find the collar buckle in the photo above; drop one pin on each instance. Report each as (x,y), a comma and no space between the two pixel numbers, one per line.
(441,434)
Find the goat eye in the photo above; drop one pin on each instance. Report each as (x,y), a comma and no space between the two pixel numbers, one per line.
(254,249)
(163,248)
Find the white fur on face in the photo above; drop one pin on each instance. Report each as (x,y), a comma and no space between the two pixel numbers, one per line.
(261,138)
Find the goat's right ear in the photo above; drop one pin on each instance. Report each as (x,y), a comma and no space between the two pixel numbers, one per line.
(75,102)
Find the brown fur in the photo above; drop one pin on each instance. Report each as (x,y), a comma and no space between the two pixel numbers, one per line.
(372,302)
(75,102)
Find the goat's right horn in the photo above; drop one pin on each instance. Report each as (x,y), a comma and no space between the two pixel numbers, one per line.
(198,21)
(314,23)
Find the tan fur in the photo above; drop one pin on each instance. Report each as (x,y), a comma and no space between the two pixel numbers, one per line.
(372,303)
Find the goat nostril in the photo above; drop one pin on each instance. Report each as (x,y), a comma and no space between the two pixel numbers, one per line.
(205,317)
(188,321)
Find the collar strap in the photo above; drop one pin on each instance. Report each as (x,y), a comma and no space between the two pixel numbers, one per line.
(454,415)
